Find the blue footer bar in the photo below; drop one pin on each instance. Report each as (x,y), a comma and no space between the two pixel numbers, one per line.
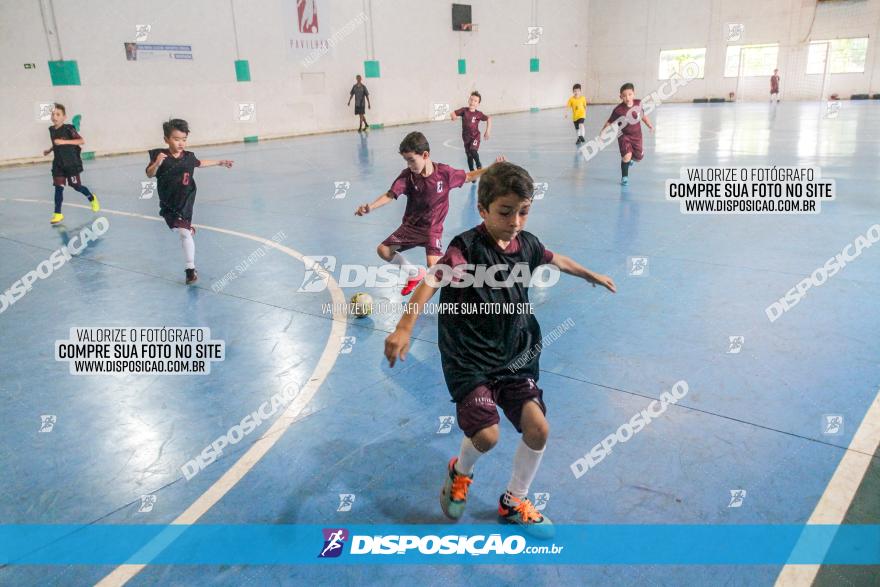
(439,544)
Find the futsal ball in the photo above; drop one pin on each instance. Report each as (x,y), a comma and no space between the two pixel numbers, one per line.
(361,304)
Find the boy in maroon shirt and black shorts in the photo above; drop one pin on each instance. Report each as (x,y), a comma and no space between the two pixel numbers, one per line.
(470,129)
(426,185)
(490,358)
(630,113)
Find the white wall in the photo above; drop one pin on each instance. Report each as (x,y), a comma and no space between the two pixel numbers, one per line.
(627,49)
(124,103)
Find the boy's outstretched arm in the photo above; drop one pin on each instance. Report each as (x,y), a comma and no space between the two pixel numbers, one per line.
(488,128)
(647,122)
(572,267)
(214,162)
(377,203)
(397,343)
(77,141)
(472,175)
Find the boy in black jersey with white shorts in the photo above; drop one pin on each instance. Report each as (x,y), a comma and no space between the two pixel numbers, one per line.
(491,360)
(173,169)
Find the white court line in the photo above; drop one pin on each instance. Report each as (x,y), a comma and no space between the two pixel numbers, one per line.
(492,147)
(262,445)
(840,492)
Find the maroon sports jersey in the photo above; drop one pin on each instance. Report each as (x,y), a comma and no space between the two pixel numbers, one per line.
(774,84)
(470,123)
(427,198)
(634,129)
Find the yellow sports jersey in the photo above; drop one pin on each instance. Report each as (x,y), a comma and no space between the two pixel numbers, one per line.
(578,107)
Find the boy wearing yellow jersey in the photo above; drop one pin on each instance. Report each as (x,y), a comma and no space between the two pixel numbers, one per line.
(578,105)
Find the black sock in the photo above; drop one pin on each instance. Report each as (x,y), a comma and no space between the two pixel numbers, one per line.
(59,190)
(84,191)
(477,160)
(624,168)
(470,159)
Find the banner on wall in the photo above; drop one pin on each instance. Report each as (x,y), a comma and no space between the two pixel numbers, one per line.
(302,25)
(142,51)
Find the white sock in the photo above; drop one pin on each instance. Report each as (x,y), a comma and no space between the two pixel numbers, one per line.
(406,268)
(189,247)
(582,130)
(525,465)
(467,457)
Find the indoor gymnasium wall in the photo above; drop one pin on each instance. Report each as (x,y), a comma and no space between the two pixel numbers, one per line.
(626,46)
(123,103)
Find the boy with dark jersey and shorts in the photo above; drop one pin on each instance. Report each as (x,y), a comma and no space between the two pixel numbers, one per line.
(426,185)
(629,111)
(491,359)
(360,93)
(173,169)
(67,162)
(470,129)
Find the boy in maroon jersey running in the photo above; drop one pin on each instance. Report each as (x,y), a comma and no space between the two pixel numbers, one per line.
(774,85)
(629,111)
(470,128)
(426,185)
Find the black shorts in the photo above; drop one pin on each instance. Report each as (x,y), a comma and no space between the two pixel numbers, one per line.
(72,180)
(578,123)
(359,109)
(173,221)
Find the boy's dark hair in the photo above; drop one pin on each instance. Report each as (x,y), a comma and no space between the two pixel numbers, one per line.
(414,142)
(175,124)
(575,87)
(61,107)
(477,94)
(627,86)
(502,179)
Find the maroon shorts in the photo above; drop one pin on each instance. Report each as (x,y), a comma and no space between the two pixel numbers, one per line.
(408,237)
(72,180)
(471,144)
(632,145)
(478,409)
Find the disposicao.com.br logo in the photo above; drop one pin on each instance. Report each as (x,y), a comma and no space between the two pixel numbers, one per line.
(451,544)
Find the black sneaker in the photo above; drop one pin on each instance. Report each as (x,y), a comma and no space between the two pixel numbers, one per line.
(191,276)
